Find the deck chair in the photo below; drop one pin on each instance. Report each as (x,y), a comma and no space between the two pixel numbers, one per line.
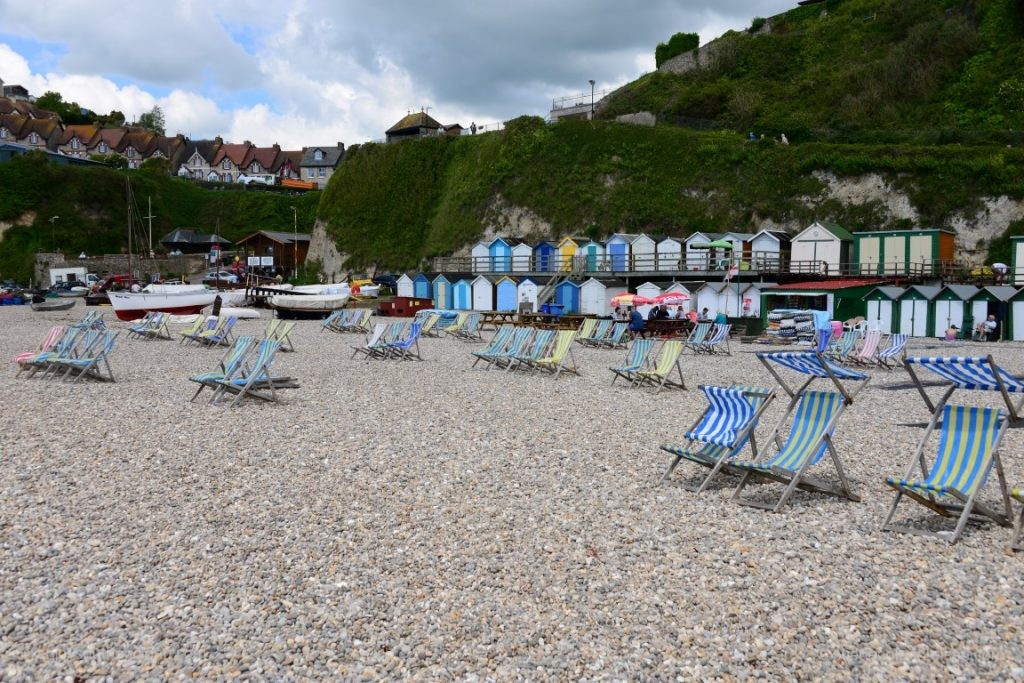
(142,325)
(93,320)
(868,352)
(636,360)
(48,343)
(372,340)
(157,328)
(361,320)
(722,431)
(598,331)
(586,329)
(256,380)
(561,358)
(334,321)
(191,332)
(815,415)
(282,333)
(618,338)
(977,373)
(698,334)
(228,367)
(392,333)
(456,324)
(208,327)
(497,343)
(470,330)
(892,356)
(660,376)
(718,341)
(967,450)
(428,328)
(1017,542)
(92,363)
(842,347)
(407,348)
(517,345)
(219,335)
(536,350)
(36,362)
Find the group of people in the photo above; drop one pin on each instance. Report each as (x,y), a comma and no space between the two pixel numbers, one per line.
(638,325)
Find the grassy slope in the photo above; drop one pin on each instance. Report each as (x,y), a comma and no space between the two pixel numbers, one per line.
(92,209)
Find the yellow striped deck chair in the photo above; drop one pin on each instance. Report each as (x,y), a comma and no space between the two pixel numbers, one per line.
(586,329)
(453,328)
(660,376)
(561,358)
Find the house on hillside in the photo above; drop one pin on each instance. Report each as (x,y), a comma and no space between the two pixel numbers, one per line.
(289,165)
(231,159)
(136,146)
(319,163)
(288,249)
(414,125)
(197,158)
(108,141)
(76,140)
(29,132)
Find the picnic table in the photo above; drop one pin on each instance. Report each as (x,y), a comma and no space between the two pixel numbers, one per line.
(670,327)
(551,321)
(495,318)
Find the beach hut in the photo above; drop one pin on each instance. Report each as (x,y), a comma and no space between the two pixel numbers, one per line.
(881,307)
(617,248)
(591,253)
(500,252)
(522,257)
(903,252)
(480,257)
(842,299)
(1017,260)
(442,292)
(990,301)
(915,315)
(750,298)
(821,248)
(483,294)
(1015,326)
(769,250)
(648,290)
(741,243)
(596,295)
(422,286)
(506,294)
(644,252)
(566,253)
(404,286)
(730,298)
(670,253)
(950,306)
(567,295)
(701,259)
(527,292)
(462,295)
(544,255)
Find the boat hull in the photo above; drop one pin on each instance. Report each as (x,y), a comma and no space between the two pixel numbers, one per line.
(53,305)
(307,306)
(132,306)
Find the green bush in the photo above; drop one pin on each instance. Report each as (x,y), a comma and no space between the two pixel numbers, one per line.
(676,45)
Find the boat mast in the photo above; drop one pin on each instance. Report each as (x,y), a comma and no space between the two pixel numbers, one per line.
(150,217)
(128,195)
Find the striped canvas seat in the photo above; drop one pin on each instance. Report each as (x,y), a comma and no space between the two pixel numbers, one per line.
(561,358)
(227,368)
(892,355)
(724,429)
(810,363)
(587,328)
(967,451)
(406,348)
(49,341)
(697,335)
(977,373)
(497,343)
(718,342)
(636,361)
(92,362)
(518,344)
(376,335)
(257,379)
(661,374)
(537,349)
(617,338)
(868,349)
(599,331)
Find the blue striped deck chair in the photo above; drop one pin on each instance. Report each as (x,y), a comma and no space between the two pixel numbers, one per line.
(892,356)
(256,380)
(334,321)
(618,338)
(470,330)
(220,335)
(139,327)
(718,341)
(723,430)
(810,436)
(191,336)
(229,365)
(77,342)
(1017,542)
(968,448)
(406,348)
(537,349)
(392,333)
(636,360)
(822,339)
(93,320)
(599,331)
(498,342)
(58,341)
(91,364)
(976,373)
(372,340)
(517,345)
(697,336)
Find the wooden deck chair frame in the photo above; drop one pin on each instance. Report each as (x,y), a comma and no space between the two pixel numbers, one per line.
(330,322)
(599,330)
(283,334)
(988,377)
(867,354)
(210,327)
(619,336)
(407,348)
(91,366)
(453,328)
(158,330)
(198,325)
(140,326)
(256,378)
(518,343)
(661,378)
(80,347)
(635,362)
(719,336)
(537,349)
(557,363)
(502,337)
(428,328)
(967,503)
(470,330)
(65,346)
(1017,541)
(392,333)
(715,454)
(375,335)
(361,321)
(893,355)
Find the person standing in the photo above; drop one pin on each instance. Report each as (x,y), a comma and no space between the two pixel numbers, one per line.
(636,323)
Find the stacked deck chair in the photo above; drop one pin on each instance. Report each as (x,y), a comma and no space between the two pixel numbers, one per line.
(49,342)
(406,348)
(660,376)
(536,350)
(453,328)
(722,432)
(428,326)
(336,320)
(74,341)
(698,334)
(561,359)
(868,352)
(255,380)
(157,328)
(361,321)
(92,364)
(718,341)
(470,330)
(281,332)
(636,361)
(968,447)
(891,357)
(598,333)
(586,330)
(505,339)
(813,416)
(372,340)
(1018,531)
(229,366)
(211,327)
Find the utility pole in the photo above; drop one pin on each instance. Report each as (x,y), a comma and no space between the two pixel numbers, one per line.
(295,241)
(150,217)
(591,99)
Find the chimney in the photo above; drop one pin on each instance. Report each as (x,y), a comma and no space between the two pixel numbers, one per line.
(341,145)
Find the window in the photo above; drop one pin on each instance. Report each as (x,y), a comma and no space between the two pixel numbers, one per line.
(310,172)
(103,148)
(226,164)
(33,139)
(129,152)
(197,160)
(318,155)
(255,167)
(323,172)
(75,144)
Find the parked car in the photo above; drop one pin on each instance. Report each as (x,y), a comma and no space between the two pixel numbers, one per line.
(68,285)
(223,276)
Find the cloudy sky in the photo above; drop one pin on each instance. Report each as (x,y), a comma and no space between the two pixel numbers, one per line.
(320,71)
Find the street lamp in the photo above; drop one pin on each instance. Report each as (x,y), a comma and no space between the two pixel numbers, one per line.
(591,99)
(295,241)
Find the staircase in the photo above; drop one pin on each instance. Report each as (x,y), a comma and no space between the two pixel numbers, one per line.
(547,292)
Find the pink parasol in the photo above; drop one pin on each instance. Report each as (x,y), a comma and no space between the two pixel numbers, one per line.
(671,298)
(630,300)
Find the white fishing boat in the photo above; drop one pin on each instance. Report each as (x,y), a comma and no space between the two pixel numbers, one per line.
(183,300)
(366,291)
(310,301)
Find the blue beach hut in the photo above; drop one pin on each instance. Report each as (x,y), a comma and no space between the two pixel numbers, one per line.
(544,256)
(500,251)
(506,296)
(462,295)
(421,287)
(442,292)
(567,295)
(618,250)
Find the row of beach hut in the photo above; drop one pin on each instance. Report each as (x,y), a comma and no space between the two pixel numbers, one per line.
(928,311)
(466,291)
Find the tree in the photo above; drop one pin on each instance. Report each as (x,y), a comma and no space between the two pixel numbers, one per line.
(115,119)
(112,159)
(676,45)
(52,101)
(153,120)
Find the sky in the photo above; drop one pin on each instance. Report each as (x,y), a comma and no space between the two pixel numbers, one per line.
(317,72)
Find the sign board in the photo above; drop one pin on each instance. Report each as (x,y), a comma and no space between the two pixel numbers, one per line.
(253,261)
(266,260)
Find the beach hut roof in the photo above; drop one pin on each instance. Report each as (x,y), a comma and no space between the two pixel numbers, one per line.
(834,228)
(995,293)
(704,237)
(777,235)
(927,292)
(887,292)
(957,292)
(606,281)
(513,280)
(745,236)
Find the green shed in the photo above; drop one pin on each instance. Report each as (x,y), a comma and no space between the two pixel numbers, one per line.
(903,252)
(916,315)
(881,306)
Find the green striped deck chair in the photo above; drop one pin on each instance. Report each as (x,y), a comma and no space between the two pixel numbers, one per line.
(586,329)
(1017,542)
(722,432)
(843,348)
(334,321)
(372,340)
(561,358)
(636,360)
(498,341)
(282,333)
(537,349)
(810,436)
(697,336)
(517,346)
(618,338)
(598,332)
(968,449)
(257,379)
(198,325)
(228,367)
(470,330)
(157,328)
(139,327)
(361,320)
(660,376)
(91,363)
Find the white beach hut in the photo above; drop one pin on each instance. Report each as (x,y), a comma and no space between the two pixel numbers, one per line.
(596,295)
(670,251)
(698,259)
(769,250)
(403,286)
(527,290)
(644,252)
(819,247)
(680,287)
(648,290)
(522,256)
(483,293)
(481,257)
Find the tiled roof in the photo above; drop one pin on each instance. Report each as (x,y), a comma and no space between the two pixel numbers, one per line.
(832,284)
(415,120)
(240,155)
(268,157)
(277,236)
(85,132)
(332,156)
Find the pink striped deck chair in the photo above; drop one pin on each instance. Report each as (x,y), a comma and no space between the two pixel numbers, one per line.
(51,339)
(868,352)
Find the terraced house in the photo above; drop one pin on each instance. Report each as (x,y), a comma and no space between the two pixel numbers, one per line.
(319,163)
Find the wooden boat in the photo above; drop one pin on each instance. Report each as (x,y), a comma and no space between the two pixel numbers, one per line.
(185,301)
(53,305)
(311,301)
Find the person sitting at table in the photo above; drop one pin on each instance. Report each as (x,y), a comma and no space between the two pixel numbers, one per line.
(679,313)
(662,313)
(636,323)
(653,313)
(618,314)
(692,315)
(704,316)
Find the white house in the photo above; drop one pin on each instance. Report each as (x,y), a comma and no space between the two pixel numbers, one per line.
(403,286)
(481,257)
(821,248)
(648,290)
(670,252)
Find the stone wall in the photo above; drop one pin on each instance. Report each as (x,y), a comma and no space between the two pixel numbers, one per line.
(109,264)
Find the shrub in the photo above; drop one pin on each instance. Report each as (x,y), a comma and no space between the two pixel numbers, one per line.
(676,45)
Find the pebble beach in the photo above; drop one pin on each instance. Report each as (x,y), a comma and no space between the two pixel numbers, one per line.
(428,520)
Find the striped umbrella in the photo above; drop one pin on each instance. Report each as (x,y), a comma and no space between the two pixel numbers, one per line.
(630,300)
